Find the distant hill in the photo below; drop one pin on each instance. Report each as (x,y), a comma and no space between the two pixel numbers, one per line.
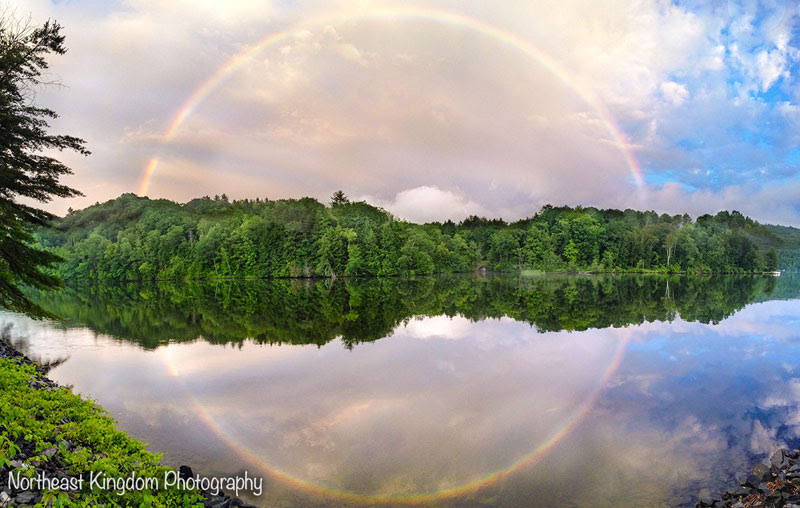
(135,238)
(789,246)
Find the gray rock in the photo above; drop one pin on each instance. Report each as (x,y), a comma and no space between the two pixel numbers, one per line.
(16,464)
(738,492)
(762,472)
(752,481)
(50,451)
(4,498)
(221,503)
(777,458)
(25,497)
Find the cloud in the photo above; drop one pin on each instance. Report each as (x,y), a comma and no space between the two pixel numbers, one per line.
(770,67)
(675,93)
(774,203)
(428,203)
(434,119)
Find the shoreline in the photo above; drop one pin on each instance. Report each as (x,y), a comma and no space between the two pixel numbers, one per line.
(774,484)
(525,272)
(57,447)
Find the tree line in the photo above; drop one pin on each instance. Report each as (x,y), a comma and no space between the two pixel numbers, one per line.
(134,238)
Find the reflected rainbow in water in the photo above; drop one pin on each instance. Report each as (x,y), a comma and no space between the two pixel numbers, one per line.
(574,419)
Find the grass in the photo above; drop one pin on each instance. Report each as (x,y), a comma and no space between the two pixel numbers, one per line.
(86,440)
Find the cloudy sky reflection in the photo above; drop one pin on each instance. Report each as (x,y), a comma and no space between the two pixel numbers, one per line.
(445,402)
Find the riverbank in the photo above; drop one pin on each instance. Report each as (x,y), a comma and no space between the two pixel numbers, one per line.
(480,271)
(776,484)
(56,447)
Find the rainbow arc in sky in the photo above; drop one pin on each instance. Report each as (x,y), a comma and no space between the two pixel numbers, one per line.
(449,19)
(445,18)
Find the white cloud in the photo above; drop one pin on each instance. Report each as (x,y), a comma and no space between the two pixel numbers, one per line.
(771,65)
(674,92)
(429,203)
(351,52)
(436,120)
(771,203)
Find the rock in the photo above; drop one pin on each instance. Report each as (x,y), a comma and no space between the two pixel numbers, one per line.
(50,451)
(16,464)
(737,492)
(752,481)
(220,503)
(25,497)
(777,458)
(4,498)
(762,472)
(185,472)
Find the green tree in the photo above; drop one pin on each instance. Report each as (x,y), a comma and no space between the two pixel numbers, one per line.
(339,198)
(771,260)
(25,172)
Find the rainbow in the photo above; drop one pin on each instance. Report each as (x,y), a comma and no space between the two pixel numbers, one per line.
(449,19)
(413,13)
(531,457)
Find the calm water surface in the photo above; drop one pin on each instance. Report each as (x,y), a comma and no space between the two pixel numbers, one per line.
(448,391)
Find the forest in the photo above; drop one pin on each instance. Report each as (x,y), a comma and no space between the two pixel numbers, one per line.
(133,238)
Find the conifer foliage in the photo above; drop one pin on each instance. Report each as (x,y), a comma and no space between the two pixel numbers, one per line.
(28,173)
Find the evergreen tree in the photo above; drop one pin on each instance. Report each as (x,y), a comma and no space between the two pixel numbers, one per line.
(339,198)
(24,171)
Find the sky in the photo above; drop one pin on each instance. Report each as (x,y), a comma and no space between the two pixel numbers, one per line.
(434,110)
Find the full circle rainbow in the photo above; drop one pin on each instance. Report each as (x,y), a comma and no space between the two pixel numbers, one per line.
(449,19)
(527,459)
(443,17)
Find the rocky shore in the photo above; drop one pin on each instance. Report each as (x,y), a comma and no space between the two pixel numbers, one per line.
(776,484)
(46,462)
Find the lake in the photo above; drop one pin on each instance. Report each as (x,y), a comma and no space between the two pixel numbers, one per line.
(459,391)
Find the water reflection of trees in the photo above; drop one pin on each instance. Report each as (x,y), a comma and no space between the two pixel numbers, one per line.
(317,311)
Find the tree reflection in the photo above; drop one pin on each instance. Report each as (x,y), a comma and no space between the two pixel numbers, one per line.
(304,311)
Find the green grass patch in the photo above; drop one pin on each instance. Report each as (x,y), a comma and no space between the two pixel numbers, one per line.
(34,421)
